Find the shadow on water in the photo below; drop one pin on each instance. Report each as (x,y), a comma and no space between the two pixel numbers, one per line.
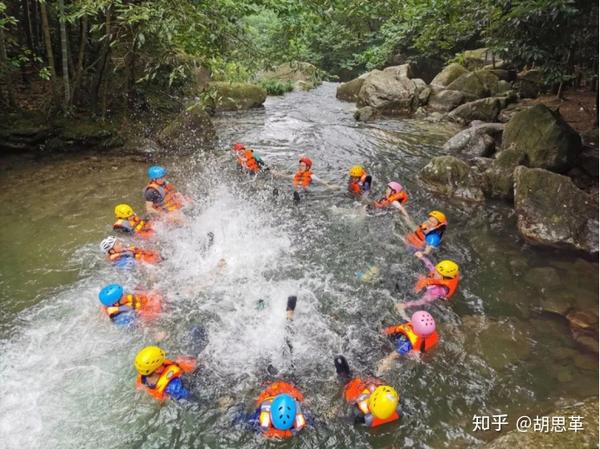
(68,375)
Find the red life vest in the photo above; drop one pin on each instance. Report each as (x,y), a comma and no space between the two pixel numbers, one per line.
(451,284)
(401,197)
(358,391)
(147,304)
(170,198)
(171,370)
(247,161)
(303,178)
(419,344)
(357,185)
(134,224)
(263,403)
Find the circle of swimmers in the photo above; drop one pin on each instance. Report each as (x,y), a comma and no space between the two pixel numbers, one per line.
(278,410)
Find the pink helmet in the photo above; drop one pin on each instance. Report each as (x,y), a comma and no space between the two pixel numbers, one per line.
(422,323)
(395,186)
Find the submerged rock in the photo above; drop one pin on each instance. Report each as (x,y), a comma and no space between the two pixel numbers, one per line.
(552,211)
(547,140)
(364,114)
(452,177)
(586,438)
(236,96)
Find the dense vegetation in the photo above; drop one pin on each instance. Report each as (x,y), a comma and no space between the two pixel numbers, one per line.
(99,55)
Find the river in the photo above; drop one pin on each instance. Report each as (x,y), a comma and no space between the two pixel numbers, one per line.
(67,373)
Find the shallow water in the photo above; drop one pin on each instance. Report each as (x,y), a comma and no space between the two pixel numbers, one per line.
(68,375)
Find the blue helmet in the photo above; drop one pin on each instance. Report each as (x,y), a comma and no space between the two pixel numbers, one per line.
(110,294)
(156,171)
(433,239)
(283,412)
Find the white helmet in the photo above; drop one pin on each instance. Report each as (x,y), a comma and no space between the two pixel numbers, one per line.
(107,244)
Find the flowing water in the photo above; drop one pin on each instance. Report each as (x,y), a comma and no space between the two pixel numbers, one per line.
(67,373)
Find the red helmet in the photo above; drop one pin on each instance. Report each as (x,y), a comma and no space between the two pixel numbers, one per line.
(307,161)
(238,147)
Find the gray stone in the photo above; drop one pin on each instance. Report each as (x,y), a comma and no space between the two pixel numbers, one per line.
(448,75)
(349,91)
(486,109)
(389,94)
(445,100)
(452,177)
(552,211)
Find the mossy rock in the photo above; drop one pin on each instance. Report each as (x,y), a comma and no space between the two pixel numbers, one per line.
(236,96)
(552,211)
(499,176)
(448,75)
(303,75)
(349,91)
(452,177)
(189,131)
(470,85)
(486,110)
(547,140)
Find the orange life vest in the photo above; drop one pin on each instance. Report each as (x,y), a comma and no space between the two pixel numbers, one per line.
(171,370)
(263,403)
(247,161)
(417,238)
(451,284)
(134,224)
(170,198)
(401,197)
(147,304)
(419,344)
(303,178)
(358,391)
(136,253)
(357,186)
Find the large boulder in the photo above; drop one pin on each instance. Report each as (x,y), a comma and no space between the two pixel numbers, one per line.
(445,100)
(448,75)
(478,58)
(470,85)
(303,75)
(478,140)
(552,211)
(236,96)
(349,91)
(389,94)
(486,109)
(547,140)
(401,71)
(586,438)
(499,181)
(188,132)
(489,80)
(452,177)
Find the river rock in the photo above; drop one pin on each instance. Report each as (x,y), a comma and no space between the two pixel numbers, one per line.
(587,438)
(552,211)
(479,58)
(583,319)
(349,91)
(364,114)
(479,140)
(303,75)
(486,109)
(557,302)
(445,100)
(448,75)
(76,135)
(389,94)
(236,96)
(589,162)
(504,88)
(191,130)
(452,177)
(547,140)
(489,80)
(401,71)
(499,180)
(587,342)
(542,278)
(530,83)
(23,132)
(470,85)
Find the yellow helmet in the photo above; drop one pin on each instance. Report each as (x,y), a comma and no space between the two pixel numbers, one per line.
(439,216)
(447,268)
(356,171)
(149,360)
(383,402)
(123,211)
